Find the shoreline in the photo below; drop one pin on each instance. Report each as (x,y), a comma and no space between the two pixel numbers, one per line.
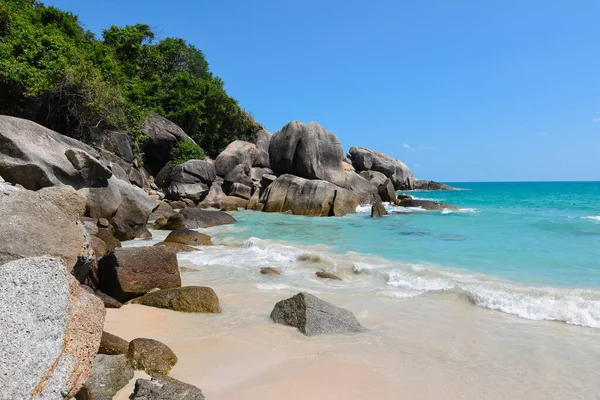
(426,347)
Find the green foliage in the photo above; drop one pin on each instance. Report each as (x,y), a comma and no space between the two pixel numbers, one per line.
(185,151)
(54,72)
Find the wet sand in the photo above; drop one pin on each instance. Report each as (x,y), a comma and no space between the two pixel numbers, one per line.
(428,347)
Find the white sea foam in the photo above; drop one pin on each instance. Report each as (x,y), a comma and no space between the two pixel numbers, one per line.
(446,211)
(592,217)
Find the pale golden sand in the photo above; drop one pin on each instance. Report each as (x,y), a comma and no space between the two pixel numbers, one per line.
(429,347)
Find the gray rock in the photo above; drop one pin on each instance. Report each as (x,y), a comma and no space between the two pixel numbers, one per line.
(239,174)
(313,316)
(163,135)
(196,299)
(89,167)
(421,184)
(386,191)
(307,151)
(262,142)
(308,197)
(37,226)
(110,373)
(193,218)
(194,171)
(51,330)
(165,388)
(241,190)
(426,205)
(378,210)
(376,178)
(365,160)
(236,153)
(367,191)
(266,180)
(108,301)
(112,345)
(193,191)
(256,174)
(116,142)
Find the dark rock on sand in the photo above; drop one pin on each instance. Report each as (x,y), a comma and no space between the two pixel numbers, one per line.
(151,356)
(112,345)
(196,299)
(165,388)
(130,272)
(189,237)
(327,275)
(110,373)
(313,316)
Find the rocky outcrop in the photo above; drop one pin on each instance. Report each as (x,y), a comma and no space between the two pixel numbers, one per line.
(308,197)
(385,187)
(421,184)
(313,316)
(165,388)
(36,157)
(238,174)
(189,237)
(240,190)
(116,142)
(194,218)
(367,192)
(197,299)
(366,160)
(237,153)
(378,210)
(131,272)
(42,223)
(110,373)
(307,151)
(163,135)
(51,330)
(191,180)
(152,356)
(426,205)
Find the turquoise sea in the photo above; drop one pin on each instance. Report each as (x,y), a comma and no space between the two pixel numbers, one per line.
(529,248)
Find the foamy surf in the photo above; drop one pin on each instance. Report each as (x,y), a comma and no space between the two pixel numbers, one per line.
(592,217)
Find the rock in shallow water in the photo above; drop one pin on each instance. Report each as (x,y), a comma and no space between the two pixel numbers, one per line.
(189,237)
(313,316)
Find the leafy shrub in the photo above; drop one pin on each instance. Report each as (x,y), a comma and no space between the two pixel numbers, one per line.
(185,151)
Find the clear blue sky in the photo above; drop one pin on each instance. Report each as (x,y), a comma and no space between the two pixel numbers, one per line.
(459,90)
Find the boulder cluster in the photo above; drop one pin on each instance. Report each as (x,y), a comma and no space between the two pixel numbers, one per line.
(66,206)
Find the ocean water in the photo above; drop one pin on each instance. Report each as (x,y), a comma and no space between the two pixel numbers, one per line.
(528,249)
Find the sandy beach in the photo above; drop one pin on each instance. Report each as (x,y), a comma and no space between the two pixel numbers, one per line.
(429,347)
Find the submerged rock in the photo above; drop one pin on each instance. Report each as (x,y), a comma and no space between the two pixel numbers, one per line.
(51,330)
(187,299)
(313,316)
(270,271)
(165,388)
(152,356)
(327,275)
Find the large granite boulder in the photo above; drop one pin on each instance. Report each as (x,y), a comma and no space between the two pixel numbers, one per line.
(308,151)
(308,197)
(365,160)
(367,191)
(152,356)
(42,223)
(236,153)
(378,210)
(36,157)
(238,174)
(197,299)
(126,273)
(165,388)
(421,184)
(110,373)
(51,330)
(163,135)
(385,187)
(313,316)
(116,142)
(262,141)
(191,180)
(194,218)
